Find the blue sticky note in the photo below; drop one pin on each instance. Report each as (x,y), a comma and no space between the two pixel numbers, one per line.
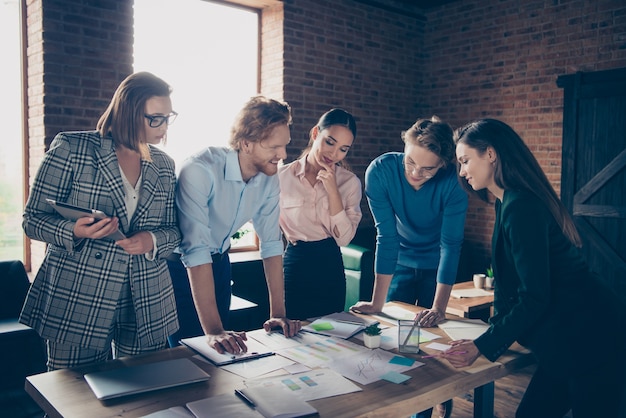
(395,377)
(403,361)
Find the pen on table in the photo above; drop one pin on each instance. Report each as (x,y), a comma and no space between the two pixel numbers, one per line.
(343,321)
(244,398)
(415,324)
(456,353)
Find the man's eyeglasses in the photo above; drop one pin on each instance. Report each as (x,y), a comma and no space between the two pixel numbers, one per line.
(157,120)
(426,172)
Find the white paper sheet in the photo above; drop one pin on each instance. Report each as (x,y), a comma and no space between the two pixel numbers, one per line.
(258,367)
(322,352)
(469,293)
(396,312)
(277,341)
(370,366)
(469,329)
(307,386)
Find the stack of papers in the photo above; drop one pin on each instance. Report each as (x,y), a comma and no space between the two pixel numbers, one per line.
(278,396)
(252,402)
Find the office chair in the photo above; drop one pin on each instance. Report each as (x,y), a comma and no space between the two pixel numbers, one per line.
(22,351)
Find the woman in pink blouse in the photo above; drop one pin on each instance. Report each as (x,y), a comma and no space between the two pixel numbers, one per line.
(319,212)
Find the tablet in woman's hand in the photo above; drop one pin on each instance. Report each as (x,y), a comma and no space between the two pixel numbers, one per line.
(72,213)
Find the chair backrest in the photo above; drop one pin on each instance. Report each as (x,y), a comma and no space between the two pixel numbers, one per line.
(14,285)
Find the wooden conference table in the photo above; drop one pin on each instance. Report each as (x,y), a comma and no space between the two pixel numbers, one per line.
(64,393)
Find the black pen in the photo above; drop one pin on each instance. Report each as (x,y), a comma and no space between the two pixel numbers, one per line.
(245,398)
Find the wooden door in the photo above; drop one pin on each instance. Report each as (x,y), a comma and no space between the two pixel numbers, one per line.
(593,182)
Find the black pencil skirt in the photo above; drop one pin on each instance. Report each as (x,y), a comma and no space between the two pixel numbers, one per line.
(315,282)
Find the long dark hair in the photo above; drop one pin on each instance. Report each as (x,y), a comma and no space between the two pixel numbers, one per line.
(516,168)
(334,117)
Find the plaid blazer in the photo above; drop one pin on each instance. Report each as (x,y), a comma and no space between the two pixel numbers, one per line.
(74,295)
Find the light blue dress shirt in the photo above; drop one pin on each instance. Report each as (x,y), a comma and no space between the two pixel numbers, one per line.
(214,202)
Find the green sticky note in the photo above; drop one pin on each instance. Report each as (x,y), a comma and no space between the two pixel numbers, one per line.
(322,326)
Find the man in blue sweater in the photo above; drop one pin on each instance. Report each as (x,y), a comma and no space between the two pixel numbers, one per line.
(419,210)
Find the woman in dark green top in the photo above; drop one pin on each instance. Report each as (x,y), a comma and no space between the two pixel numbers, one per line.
(546,298)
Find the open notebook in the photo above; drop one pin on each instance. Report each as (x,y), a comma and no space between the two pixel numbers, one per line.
(339,324)
(125,381)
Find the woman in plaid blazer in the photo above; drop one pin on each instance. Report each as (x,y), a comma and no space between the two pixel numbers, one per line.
(94,297)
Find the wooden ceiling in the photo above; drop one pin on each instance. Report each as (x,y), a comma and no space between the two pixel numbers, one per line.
(426,4)
(407,7)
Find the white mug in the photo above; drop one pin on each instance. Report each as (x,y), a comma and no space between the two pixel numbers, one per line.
(479,281)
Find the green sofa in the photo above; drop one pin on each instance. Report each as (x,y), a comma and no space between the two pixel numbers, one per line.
(358,263)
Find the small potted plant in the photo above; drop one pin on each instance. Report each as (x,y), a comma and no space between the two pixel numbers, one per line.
(489,278)
(371,336)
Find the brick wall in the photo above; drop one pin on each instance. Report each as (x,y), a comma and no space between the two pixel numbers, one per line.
(364,59)
(78,52)
(462,61)
(501,59)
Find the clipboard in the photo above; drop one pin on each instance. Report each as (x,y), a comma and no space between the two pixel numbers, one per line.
(72,213)
(199,345)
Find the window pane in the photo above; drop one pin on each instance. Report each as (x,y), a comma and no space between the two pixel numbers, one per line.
(11,172)
(208,53)
(244,239)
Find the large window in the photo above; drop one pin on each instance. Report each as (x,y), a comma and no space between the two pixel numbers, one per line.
(11,170)
(208,53)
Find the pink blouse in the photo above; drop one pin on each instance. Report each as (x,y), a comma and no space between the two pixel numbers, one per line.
(304,212)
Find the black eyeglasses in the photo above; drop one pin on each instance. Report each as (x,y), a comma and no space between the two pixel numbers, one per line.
(426,172)
(158,120)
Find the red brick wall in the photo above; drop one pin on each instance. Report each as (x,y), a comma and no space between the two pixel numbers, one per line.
(367,60)
(78,52)
(462,61)
(501,59)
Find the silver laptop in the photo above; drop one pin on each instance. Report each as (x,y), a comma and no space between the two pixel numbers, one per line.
(125,381)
